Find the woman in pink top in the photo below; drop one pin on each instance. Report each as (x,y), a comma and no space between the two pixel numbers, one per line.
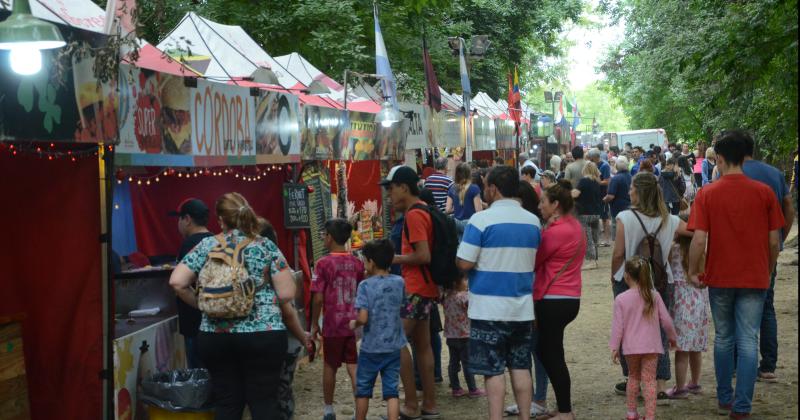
(638,312)
(697,169)
(557,286)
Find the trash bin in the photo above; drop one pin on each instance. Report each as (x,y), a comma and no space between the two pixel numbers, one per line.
(178,395)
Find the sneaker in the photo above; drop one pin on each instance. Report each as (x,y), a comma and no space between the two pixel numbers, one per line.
(438,380)
(538,410)
(477,393)
(459,393)
(621,388)
(739,416)
(723,409)
(695,389)
(511,410)
(678,394)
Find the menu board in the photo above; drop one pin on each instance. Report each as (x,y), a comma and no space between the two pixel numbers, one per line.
(319,204)
(295,206)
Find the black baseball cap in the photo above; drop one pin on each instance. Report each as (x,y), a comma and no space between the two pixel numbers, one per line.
(193,207)
(400,174)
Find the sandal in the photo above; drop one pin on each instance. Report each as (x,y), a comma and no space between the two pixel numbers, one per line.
(428,415)
(678,394)
(694,389)
(404,416)
(767,377)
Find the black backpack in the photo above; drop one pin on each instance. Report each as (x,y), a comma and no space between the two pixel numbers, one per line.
(442,270)
(650,249)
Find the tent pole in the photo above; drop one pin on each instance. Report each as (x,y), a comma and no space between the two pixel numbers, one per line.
(105,161)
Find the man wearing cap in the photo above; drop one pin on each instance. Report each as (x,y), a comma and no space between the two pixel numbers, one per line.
(421,290)
(192,220)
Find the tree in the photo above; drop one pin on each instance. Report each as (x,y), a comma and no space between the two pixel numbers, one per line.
(697,67)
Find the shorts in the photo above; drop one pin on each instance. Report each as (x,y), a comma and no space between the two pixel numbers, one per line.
(417,308)
(497,345)
(338,350)
(604,213)
(369,365)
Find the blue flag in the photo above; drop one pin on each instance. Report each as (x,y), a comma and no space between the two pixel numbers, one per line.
(382,63)
(465,88)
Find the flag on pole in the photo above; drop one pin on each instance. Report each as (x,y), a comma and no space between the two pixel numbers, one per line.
(514,105)
(432,95)
(382,63)
(560,111)
(465,87)
(576,116)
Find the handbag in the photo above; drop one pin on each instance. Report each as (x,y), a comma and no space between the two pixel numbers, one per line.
(564,268)
(683,203)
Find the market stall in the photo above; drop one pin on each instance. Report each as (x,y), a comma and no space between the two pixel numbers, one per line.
(54,148)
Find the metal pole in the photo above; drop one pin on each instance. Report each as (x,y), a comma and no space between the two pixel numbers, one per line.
(553,125)
(345,90)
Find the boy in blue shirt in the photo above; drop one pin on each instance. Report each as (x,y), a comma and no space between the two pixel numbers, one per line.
(378,301)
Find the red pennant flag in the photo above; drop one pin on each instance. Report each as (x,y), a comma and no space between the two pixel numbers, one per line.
(432,95)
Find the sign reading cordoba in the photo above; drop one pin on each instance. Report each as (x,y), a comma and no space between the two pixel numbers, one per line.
(223,119)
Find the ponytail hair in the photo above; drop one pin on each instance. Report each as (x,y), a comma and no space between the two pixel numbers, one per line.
(639,269)
(236,213)
(561,191)
(463,179)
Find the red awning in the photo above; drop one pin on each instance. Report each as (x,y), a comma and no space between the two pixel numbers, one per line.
(152,58)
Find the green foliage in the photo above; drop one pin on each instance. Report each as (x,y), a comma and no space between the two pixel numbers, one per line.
(594,102)
(336,35)
(697,67)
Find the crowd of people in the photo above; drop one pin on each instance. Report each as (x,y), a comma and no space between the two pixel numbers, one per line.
(525,236)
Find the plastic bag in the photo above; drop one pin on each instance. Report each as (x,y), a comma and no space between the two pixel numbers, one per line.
(178,390)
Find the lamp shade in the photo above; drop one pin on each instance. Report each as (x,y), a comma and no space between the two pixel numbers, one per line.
(23,30)
(387,115)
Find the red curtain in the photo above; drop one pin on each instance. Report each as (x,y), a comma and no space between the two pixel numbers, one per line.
(51,272)
(157,233)
(363,177)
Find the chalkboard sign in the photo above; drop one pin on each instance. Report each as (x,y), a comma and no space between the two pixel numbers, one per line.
(295,206)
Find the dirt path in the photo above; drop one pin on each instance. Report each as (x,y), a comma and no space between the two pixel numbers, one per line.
(593,374)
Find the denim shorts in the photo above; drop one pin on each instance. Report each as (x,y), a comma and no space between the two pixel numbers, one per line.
(497,345)
(369,365)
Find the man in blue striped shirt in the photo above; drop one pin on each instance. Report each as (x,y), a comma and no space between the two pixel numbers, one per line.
(439,183)
(498,251)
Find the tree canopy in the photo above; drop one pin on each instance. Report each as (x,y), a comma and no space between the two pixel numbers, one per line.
(335,35)
(696,67)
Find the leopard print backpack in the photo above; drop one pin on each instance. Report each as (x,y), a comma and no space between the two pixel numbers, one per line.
(224,287)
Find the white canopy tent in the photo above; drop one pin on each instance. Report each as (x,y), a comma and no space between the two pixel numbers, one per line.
(232,54)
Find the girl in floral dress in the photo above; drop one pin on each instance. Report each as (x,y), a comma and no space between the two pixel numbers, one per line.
(690,315)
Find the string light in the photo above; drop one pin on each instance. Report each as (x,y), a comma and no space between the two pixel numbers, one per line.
(245,173)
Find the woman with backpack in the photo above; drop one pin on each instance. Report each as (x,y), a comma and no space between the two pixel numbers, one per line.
(243,339)
(648,220)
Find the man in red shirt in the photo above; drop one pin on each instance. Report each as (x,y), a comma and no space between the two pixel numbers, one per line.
(421,291)
(739,220)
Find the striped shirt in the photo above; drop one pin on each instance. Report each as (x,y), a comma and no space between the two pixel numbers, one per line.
(502,242)
(439,184)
